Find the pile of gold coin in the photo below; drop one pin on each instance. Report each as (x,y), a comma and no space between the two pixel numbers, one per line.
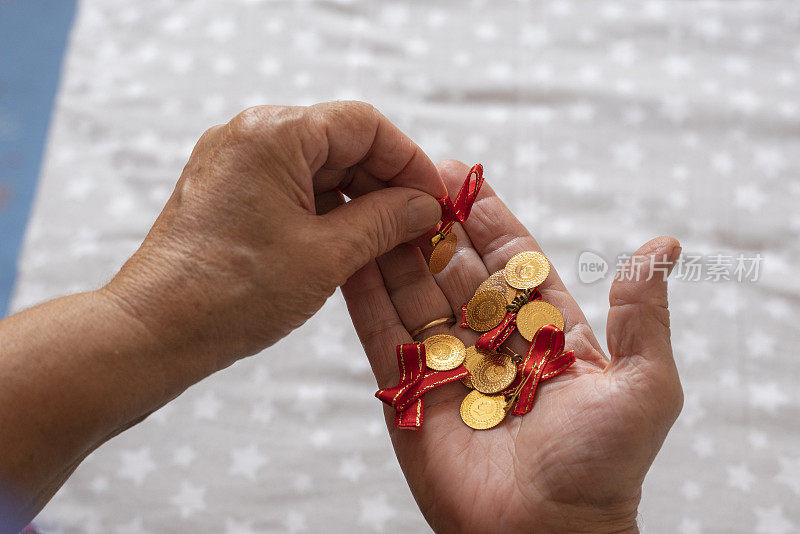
(492,373)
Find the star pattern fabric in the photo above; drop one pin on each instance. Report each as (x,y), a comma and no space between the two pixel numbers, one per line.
(601,123)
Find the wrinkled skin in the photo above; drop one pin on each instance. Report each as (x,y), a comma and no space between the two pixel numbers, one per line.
(577,461)
(239,257)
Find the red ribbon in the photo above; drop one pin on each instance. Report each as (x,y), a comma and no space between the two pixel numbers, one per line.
(415,381)
(459,209)
(545,359)
(495,337)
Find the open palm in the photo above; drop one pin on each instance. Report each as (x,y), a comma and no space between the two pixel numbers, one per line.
(577,461)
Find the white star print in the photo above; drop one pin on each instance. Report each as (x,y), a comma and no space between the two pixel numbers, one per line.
(190,499)
(581,181)
(710,28)
(623,52)
(136,465)
(184,456)
(790,473)
(760,344)
(689,526)
(729,378)
(352,468)
(134,526)
(628,155)
(294,522)
(223,65)
(262,411)
(693,410)
(737,66)
(677,66)
(529,155)
(581,111)
(740,477)
(207,406)
(770,160)
(269,66)
(767,396)
(692,348)
(221,29)
(376,511)
(232,526)
(320,438)
(722,163)
(757,440)
(302,483)
(777,308)
(691,490)
(534,36)
(99,484)
(703,446)
(745,101)
(247,461)
(773,521)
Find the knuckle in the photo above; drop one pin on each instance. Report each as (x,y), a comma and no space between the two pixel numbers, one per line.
(258,122)
(355,108)
(211,134)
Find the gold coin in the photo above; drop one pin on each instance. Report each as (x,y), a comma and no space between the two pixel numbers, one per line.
(526,270)
(498,281)
(467,381)
(481,411)
(535,315)
(444,352)
(443,253)
(473,356)
(485,310)
(493,373)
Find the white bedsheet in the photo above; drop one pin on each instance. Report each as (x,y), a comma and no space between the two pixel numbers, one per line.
(602,124)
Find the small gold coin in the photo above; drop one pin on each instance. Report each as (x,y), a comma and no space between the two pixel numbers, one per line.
(498,281)
(493,373)
(485,310)
(535,315)
(474,354)
(443,253)
(527,270)
(467,381)
(444,352)
(481,411)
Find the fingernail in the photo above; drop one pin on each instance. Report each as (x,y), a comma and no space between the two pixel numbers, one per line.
(423,212)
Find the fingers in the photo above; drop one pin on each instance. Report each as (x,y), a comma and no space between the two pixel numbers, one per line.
(497,235)
(463,274)
(374,317)
(375,223)
(638,320)
(356,135)
(412,289)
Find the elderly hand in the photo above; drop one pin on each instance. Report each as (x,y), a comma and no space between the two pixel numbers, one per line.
(240,257)
(576,462)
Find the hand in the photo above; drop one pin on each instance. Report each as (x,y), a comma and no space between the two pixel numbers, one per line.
(239,256)
(576,463)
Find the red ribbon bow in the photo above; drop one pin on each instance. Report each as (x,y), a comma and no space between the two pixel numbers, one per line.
(459,209)
(545,359)
(415,380)
(495,337)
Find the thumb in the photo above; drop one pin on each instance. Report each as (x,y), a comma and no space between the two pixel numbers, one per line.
(638,321)
(376,222)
